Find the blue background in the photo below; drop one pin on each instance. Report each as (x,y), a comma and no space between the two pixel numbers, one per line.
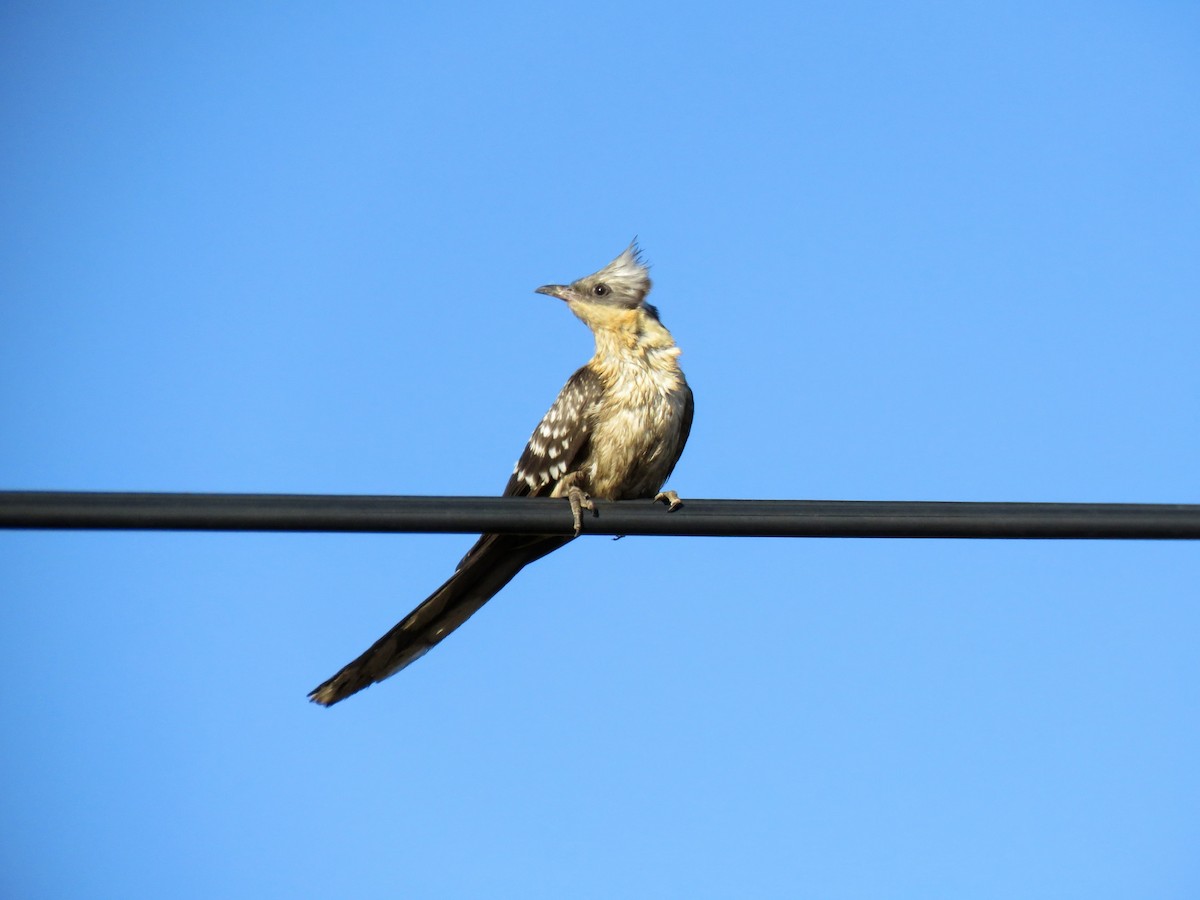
(926,251)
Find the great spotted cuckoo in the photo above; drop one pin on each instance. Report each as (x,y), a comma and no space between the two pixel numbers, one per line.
(614,433)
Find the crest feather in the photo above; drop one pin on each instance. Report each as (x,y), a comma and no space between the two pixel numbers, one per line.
(628,274)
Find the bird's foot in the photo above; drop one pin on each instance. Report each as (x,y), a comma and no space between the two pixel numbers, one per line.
(579,502)
(670,498)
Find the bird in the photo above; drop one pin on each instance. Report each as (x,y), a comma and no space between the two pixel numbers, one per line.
(615,432)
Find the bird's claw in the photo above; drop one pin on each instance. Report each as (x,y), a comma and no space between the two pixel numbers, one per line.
(670,498)
(579,502)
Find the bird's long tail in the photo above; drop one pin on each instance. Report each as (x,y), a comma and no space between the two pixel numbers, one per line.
(488,566)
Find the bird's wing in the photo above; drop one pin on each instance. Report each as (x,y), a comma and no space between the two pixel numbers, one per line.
(559,444)
(685,428)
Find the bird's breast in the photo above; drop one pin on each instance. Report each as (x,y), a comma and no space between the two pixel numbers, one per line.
(635,437)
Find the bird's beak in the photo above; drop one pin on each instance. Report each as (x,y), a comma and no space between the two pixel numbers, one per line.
(561,291)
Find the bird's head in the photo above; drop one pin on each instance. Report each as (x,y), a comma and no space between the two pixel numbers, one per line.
(621,285)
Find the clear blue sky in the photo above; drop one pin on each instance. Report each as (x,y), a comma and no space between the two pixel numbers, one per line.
(911,251)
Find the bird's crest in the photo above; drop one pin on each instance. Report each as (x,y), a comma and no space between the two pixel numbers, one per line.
(628,275)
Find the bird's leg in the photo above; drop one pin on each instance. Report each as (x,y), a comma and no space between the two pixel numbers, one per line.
(579,502)
(576,496)
(670,498)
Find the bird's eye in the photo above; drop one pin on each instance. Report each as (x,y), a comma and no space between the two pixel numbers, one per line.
(600,290)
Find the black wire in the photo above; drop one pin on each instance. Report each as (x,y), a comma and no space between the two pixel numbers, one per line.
(715,518)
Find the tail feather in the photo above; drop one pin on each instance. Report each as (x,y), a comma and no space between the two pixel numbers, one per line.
(488,566)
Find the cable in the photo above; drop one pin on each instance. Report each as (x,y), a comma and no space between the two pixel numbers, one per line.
(713,518)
